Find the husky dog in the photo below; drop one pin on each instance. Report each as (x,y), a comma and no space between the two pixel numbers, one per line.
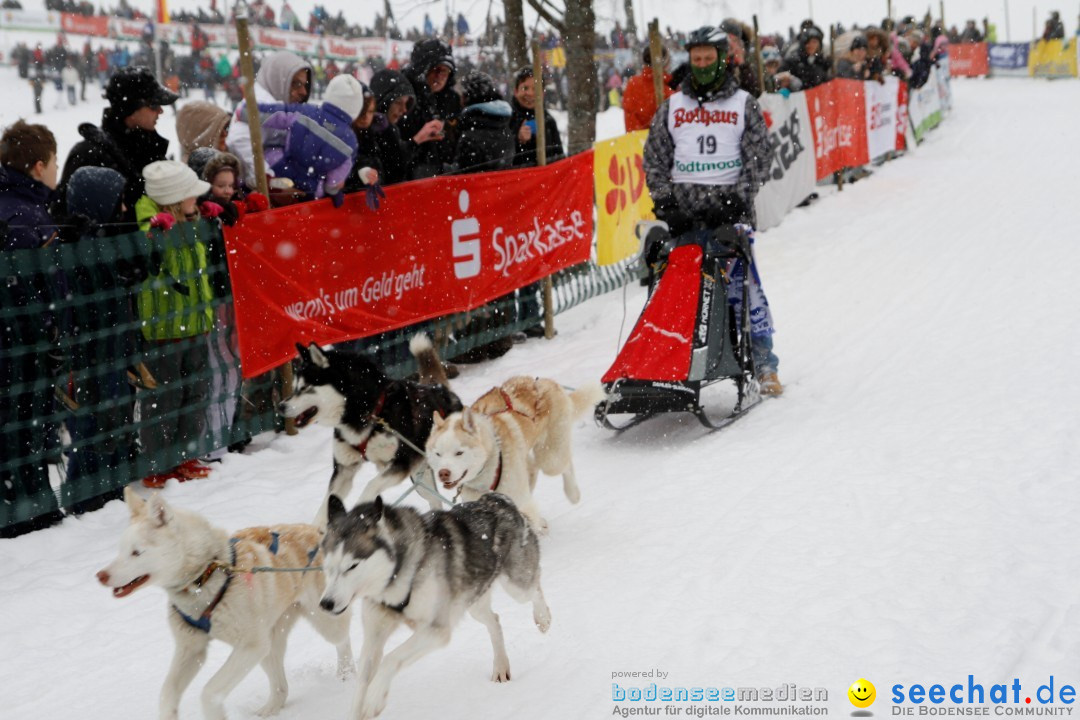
(506,437)
(194,562)
(426,571)
(351,393)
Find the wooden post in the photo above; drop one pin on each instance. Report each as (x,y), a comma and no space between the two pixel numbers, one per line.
(656,53)
(1008,35)
(888,9)
(541,160)
(757,53)
(247,67)
(941,4)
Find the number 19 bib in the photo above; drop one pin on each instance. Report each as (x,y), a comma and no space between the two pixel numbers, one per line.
(708,138)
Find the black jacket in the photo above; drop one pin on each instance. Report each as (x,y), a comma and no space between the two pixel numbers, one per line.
(486,141)
(433,157)
(381,147)
(115,146)
(813,70)
(525,153)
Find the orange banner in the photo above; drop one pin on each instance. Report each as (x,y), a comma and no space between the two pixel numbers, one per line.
(969,60)
(838,121)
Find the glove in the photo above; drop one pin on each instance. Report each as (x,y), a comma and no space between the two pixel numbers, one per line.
(728,210)
(372,195)
(338,199)
(210,209)
(163,220)
(256,202)
(368,176)
(230,213)
(678,221)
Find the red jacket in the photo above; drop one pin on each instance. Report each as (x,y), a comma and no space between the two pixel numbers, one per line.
(639,100)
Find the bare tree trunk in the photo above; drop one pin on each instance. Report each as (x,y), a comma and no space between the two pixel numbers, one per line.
(631,24)
(580,40)
(516,52)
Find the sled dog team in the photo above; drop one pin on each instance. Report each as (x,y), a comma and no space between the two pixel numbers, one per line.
(401,566)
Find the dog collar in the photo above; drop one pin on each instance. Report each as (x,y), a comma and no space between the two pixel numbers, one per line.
(203,621)
(400,607)
(379,402)
(510,405)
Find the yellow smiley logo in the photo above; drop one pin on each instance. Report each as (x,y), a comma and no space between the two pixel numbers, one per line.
(862,693)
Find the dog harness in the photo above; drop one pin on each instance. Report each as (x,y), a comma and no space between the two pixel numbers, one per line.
(203,621)
(362,447)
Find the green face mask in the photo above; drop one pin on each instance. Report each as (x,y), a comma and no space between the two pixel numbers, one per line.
(706,76)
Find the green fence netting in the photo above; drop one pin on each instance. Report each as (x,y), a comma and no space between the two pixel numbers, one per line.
(118,359)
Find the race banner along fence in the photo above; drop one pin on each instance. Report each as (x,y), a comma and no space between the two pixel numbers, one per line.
(316,273)
(813,134)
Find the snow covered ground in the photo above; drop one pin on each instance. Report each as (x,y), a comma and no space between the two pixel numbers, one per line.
(904,513)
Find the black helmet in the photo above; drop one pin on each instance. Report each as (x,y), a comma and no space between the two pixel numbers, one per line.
(711,36)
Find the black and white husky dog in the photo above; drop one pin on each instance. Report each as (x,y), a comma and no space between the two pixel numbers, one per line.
(426,571)
(370,414)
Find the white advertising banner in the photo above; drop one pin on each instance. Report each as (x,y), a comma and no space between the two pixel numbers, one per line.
(881,112)
(924,106)
(792,176)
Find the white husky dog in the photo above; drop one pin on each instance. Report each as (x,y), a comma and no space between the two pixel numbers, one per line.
(194,561)
(501,441)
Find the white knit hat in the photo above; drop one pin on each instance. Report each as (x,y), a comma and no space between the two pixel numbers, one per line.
(345,92)
(168,182)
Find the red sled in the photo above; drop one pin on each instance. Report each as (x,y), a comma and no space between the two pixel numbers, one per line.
(688,336)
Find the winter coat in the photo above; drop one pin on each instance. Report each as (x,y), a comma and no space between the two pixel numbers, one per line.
(639,99)
(433,157)
(659,157)
(486,141)
(175,302)
(525,153)
(312,146)
(198,125)
(272,85)
(812,70)
(382,148)
(845,68)
(24,205)
(115,146)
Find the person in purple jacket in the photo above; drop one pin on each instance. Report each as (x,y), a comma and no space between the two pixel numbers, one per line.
(314,146)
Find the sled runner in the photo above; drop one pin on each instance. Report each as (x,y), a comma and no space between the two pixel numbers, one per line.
(688,336)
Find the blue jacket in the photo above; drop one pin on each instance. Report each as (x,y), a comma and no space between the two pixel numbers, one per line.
(313,146)
(23,203)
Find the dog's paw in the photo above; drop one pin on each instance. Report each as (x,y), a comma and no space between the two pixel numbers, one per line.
(501,674)
(542,618)
(271,708)
(373,705)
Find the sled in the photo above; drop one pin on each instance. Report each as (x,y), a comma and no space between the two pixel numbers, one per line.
(688,337)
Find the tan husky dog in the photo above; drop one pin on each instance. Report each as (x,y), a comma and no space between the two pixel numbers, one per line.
(202,569)
(504,439)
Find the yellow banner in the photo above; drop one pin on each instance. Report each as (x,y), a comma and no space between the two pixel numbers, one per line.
(1052,58)
(621,196)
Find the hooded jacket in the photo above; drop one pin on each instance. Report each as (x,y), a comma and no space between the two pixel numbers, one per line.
(431,158)
(757,154)
(639,99)
(812,70)
(272,85)
(199,125)
(486,141)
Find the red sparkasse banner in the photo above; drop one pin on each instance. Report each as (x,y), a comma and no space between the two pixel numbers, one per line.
(838,121)
(85,25)
(316,273)
(969,59)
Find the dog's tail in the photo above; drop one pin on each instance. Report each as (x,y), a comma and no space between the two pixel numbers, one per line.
(432,371)
(585,398)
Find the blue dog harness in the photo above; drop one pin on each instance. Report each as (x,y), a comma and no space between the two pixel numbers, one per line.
(203,621)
